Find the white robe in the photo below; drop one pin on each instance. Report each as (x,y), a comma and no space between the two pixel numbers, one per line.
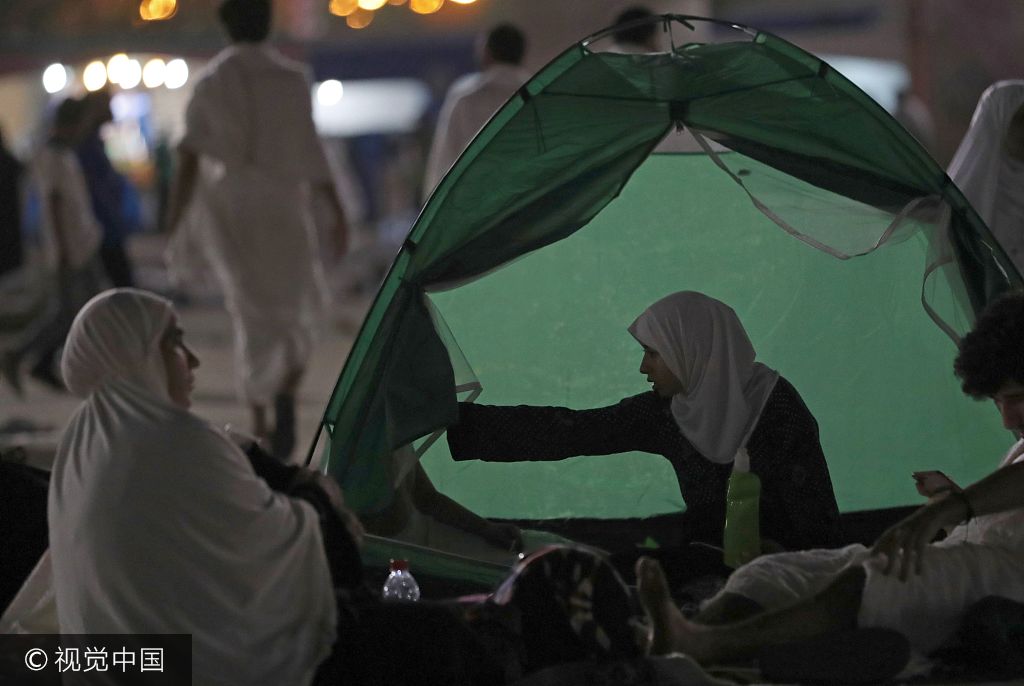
(158,523)
(468,105)
(250,120)
(989,177)
(982,557)
(56,171)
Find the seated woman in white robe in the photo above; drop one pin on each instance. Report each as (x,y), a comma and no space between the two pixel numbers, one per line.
(158,522)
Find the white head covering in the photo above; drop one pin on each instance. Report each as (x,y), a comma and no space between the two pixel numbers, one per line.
(158,523)
(116,338)
(703,343)
(991,180)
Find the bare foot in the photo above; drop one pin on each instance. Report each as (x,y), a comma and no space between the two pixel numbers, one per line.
(672,632)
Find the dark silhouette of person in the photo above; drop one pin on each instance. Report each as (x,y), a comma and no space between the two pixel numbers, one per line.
(10,209)
(107,188)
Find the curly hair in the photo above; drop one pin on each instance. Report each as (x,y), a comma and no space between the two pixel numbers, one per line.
(992,354)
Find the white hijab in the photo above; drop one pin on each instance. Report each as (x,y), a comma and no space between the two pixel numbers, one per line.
(991,180)
(158,523)
(703,343)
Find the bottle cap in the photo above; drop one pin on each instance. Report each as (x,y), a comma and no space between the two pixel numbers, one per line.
(399,565)
(741,463)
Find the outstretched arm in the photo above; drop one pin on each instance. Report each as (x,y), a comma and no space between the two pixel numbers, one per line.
(494,433)
(430,501)
(904,543)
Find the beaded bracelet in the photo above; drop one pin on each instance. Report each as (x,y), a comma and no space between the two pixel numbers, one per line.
(962,497)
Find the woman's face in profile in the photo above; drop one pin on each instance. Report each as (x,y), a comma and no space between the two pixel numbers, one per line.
(178,363)
(663,381)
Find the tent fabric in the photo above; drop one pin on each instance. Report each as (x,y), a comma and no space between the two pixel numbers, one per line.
(814,154)
(851,335)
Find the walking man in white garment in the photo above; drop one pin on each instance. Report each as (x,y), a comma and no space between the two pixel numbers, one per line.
(70,236)
(906,581)
(989,165)
(474,98)
(250,157)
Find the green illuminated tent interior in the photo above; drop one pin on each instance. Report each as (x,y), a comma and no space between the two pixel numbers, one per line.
(852,260)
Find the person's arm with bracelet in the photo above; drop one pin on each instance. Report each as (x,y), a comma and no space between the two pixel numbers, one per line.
(904,543)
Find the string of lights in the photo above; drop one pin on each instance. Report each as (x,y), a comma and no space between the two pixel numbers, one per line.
(120,70)
(358,14)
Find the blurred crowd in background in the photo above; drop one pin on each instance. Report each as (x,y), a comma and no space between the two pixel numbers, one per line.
(384,80)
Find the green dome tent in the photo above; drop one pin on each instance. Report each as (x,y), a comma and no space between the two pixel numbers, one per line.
(851,258)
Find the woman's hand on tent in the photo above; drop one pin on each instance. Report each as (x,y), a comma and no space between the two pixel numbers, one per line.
(902,545)
(503,535)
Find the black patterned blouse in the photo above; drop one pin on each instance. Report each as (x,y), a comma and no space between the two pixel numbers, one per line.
(798,506)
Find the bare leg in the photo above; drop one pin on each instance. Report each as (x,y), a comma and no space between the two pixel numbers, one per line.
(283,441)
(833,609)
(727,608)
(292,381)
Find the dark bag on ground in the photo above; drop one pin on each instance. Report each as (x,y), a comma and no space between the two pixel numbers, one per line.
(989,643)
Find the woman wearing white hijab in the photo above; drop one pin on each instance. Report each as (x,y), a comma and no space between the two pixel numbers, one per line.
(157,521)
(989,165)
(710,400)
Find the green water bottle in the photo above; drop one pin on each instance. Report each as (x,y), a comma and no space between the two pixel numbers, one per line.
(741,540)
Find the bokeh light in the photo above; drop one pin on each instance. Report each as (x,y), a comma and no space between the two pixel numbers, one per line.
(372,4)
(153,73)
(55,77)
(131,76)
(330,92)
(343,8)
(425,6)
(95,76)
(359,19)
(464,2)
(116,66)
(157,10)
(176,73)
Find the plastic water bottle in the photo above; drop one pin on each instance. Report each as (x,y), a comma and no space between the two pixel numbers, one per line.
(400,584)
(741,539)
